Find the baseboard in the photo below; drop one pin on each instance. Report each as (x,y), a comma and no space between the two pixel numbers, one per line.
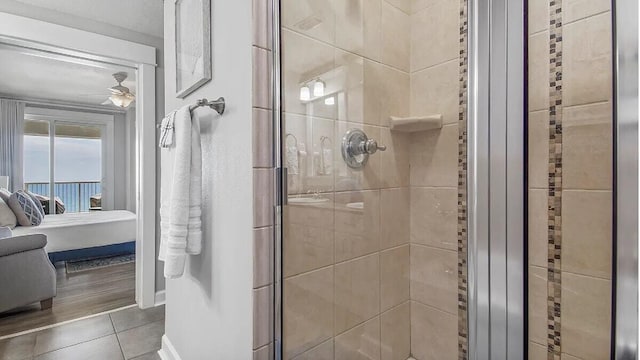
(160,298)
(168,352)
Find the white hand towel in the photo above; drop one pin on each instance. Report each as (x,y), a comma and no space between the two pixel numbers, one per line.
(181,208)
(166,130)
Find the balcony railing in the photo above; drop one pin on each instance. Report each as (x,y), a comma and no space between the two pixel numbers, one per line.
(76,196)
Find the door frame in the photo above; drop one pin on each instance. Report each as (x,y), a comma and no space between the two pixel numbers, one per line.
(496,180)
(625,215)
(88,47)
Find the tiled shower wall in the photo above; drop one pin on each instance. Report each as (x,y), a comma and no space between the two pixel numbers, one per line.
(346,288)
(263,177)
(570,179)
(436,36)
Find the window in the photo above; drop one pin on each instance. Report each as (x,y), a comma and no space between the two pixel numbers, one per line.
(67,159)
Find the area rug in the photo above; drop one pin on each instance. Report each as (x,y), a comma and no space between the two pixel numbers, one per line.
(76,266)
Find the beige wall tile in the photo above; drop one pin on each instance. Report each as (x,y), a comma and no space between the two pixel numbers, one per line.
(538,227)
(357,292)
(395,333)
(434,334)
(304,133)
(360,343)
(435,90)
(587,61)
(308,311)
(365,178)
(262,256)
(434,157)
(435,35)
(538,71)
(394,162)
(262,138)
(262,23)
(306,248)
(350,74)
(313,18)
(586,316)
(394,217)
(262,316)
(587,147)
(386,93)
(404,5)
(537,351)
(396,28)
(263,197)
(318,215)
(394,277)
(573,10)
(359,26)
(261,78)
(302,59)
(417,5)
(587,232)
(434,277)
(538,304)
(539,149)
(357,229)
(264,353)
(323,351)
(434,217)
(566,356)
(538,15)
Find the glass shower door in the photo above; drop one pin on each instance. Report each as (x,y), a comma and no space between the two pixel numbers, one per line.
(374,142)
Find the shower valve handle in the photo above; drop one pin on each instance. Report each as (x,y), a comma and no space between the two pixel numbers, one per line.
(371,146)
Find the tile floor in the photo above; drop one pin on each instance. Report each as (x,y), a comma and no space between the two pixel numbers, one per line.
(129,334)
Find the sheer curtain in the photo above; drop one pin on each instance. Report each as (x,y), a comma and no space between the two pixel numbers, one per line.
(11,142)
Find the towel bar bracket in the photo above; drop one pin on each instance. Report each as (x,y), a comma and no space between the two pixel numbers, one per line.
(217,105)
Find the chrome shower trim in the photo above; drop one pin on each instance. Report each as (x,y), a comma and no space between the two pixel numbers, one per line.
(625,215)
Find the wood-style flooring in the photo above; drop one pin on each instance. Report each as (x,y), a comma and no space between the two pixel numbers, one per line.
(79,295)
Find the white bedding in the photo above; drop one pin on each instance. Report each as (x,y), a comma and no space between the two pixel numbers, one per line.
(84,230)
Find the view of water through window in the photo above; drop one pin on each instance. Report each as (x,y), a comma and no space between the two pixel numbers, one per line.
(77,169)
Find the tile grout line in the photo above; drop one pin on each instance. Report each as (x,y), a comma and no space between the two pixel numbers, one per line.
(117,337)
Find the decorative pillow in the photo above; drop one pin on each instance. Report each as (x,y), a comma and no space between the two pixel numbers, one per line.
(5,194)
(35,200)
(25,209)
(7,217)
(60,207)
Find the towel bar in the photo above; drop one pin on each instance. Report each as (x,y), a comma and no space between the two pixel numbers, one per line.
(217,105)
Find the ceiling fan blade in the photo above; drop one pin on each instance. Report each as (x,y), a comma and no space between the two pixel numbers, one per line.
(107,102)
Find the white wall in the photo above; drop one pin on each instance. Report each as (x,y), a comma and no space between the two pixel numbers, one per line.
(209,310)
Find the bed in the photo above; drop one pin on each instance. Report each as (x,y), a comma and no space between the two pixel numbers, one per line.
(84,235)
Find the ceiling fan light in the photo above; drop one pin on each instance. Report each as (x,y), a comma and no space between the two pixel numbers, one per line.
(122,101)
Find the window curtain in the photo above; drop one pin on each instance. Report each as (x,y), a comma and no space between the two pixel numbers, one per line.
(11,142)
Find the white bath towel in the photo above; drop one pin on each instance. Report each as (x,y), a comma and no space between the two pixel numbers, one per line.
(326,161)
(166,129)
(181,207)
(293,161)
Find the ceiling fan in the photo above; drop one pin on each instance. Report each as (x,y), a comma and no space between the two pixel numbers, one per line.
(120,95)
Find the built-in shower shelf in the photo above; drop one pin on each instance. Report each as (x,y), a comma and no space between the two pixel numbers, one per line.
(415,123)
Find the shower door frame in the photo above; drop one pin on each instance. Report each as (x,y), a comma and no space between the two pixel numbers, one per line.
(625,217)
(495,177)
(496,180)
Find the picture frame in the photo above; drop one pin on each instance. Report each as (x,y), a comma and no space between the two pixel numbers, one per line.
(192,45)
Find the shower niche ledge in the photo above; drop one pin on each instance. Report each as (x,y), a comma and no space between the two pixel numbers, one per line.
(415,123)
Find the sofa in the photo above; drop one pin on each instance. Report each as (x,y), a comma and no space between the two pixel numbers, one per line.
(26,274)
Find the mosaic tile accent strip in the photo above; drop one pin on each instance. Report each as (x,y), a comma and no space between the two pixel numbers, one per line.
(463,341)
(554,283)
